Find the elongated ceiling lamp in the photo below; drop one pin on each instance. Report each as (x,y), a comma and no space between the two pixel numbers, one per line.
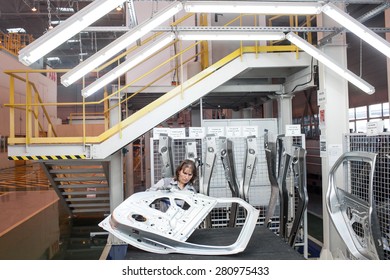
(119,44)
(237,7)
(67,29)
(128,64)
(229,35)
(357,28)
(330,63)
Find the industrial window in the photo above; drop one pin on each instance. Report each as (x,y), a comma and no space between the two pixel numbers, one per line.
(360,116)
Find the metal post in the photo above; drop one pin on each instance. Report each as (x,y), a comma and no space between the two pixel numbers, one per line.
(116,170)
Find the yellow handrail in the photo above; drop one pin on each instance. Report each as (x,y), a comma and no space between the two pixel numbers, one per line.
(27,106)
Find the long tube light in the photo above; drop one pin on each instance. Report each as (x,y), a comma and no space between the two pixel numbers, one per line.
(233,36)
(330,63)
(237,7)
(67,29)
(127,65)
(357,28)
(119,44)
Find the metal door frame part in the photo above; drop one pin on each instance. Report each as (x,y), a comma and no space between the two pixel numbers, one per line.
(299,171)
(165,150)
(137,223)
(348,211)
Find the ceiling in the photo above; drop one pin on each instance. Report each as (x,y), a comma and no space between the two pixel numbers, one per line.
(18,14)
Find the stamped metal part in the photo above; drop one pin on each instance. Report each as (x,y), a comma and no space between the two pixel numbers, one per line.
(138,223)
(270,155)
(190,151)
(165,150)
(299,172)
(249,167)
(284,194)
(355,217)
(227,158)
(211,154)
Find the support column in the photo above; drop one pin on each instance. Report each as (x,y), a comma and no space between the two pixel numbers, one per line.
(129,163)
(116,170)
(284,112)
(268,108)
(333,125)
(148,155)
(195,117)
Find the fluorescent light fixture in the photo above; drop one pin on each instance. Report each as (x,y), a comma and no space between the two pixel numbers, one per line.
(229,35)
(66,30)
(243,7)
(330,63)
(119,44)
(128,64)
(53,58)
(55,22)
(16,30)
(65,9)
(357,28)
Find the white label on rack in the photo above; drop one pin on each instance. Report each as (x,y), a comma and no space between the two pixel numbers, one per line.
(250,131)
(216,130)
(177,133)
(293,130)
(160,130)
(374,128)
(196,132)
(234,131)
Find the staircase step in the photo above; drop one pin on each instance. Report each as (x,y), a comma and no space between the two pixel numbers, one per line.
(104,198)
(67,162)
(77,171)
(80,186)
(82,205)
(72,179)
(84,193)
(91,210)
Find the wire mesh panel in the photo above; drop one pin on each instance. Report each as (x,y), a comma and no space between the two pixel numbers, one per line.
(179,154)
(379,144)
(260,189)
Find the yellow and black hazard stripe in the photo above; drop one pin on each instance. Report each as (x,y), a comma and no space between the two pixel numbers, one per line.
(46,157)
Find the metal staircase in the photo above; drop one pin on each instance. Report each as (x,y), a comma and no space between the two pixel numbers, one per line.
(82,185)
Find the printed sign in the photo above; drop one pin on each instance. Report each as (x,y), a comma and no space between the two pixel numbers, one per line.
(196,132)
(233,131)
(374,128)
(250,131)
(216,130)
(293,130)
(177,133)
(321,97)
(158,130)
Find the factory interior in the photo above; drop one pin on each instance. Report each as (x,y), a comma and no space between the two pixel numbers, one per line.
(283,106)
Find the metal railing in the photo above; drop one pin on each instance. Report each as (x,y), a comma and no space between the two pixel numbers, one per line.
(13,42)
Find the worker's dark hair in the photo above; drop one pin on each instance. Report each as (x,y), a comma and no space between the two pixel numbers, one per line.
(187,163)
